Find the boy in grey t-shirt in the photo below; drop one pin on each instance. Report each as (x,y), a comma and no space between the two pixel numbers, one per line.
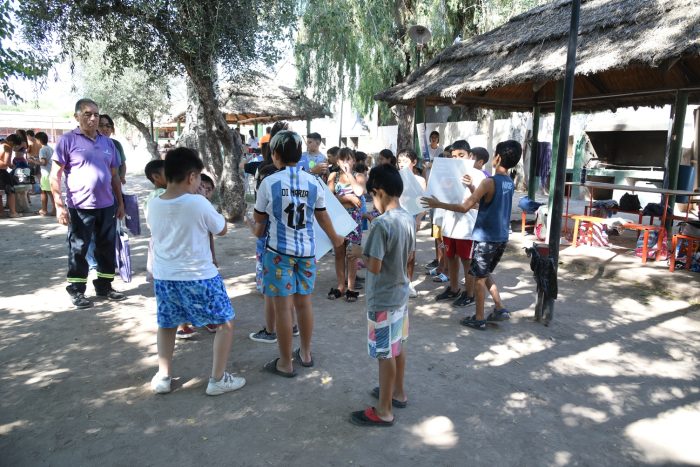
(390,246)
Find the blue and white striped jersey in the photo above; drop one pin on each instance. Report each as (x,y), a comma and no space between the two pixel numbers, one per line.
(289,198)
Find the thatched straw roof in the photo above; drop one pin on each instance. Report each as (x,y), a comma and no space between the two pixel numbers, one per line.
(260,100)
(632,52)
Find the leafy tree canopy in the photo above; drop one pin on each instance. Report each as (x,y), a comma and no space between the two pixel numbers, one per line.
(370,48)
(16,63)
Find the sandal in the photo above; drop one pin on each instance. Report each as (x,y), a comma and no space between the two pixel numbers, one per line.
(368,417)
(441,278)
(272,368)
(472,322)
(351,296)
(297,357)
(395,402)
(334,293)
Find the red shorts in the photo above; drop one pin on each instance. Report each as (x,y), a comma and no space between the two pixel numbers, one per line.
(462,248)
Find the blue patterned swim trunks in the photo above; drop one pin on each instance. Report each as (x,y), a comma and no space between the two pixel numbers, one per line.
(197,302)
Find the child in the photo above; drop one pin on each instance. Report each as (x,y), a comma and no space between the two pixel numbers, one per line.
(155,173)
(206,189)
(188,286)
(494,196)
(348,189)
(290,199)
(480,157)
(45,153)
(456,232)
(386,157)
(408,158)
(390,246)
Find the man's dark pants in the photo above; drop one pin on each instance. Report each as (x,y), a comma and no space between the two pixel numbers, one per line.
(83,222)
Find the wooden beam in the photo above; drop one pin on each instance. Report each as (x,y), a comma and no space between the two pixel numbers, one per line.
(597,83)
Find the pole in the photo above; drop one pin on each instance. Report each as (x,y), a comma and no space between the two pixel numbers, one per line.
(534,152)
(562,149)
(419,113)
(675,150)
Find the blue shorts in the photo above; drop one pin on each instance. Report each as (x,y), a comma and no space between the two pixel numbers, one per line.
(285,275)
(197,302)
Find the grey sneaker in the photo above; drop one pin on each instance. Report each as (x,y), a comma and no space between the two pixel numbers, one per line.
(160,384)
(227,383)
(463,300)
(263,336)
(80,301)
(498,315)
(447,294)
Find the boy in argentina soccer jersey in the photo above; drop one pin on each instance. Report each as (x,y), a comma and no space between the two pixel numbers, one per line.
(291,200)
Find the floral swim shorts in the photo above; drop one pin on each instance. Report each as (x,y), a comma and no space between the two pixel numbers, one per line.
(198,302)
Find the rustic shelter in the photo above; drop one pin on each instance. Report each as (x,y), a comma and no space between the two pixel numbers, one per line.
(260,100)
(630,53)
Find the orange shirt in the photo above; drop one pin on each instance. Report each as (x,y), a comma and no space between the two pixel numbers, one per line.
(265,138)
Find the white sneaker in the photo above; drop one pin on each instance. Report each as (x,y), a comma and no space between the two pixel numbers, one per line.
(412,291)
(160,384)
(227,383)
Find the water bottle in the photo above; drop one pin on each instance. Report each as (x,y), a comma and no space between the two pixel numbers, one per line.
(583,175)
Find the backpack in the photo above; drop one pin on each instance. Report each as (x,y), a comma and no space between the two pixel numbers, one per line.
(630,202)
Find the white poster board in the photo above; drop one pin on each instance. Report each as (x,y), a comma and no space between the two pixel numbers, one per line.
(412,192)
(445,181)
(343,224)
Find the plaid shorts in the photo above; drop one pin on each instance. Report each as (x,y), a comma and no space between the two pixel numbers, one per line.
(198,302)
(386,332)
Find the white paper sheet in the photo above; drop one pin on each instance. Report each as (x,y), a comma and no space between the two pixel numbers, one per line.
(445,181)
(412,192)
(343,224)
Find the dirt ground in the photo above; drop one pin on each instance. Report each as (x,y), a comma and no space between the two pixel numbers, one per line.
(614,380)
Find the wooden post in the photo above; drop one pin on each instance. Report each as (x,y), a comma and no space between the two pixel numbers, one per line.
(579,162)
(534,153)
(555,151)
(675,150)
(419,118)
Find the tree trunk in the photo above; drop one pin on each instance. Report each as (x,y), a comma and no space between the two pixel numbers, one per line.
(151,145)
(404,117)
(216,142)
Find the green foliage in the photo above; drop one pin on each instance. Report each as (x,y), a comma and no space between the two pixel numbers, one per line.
(163,37)
(357,48)
(131,92)
(16,63)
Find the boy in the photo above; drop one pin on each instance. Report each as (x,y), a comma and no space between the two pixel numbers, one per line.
(45,152)
(494,196)
(457,237)
(480,157)
(389,248)
(407,158)
(290,199)
(188,286)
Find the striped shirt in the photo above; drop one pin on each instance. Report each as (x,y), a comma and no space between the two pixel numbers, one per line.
(289,198)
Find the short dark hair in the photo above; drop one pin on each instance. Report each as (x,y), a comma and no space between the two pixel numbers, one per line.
(314,136)
(287,144)
(31,133)
(387,154)
(410,153)
(42,137)
(180,163)
(360,167)
(461,144)
(333,151)
(268,129)
(14,139)
(83,102)
(480,154)
(345,154)
(154,166)
(385,177)
(277,127)
(207,179)
(434,133)
(448,150)
(360,156)
(510,152)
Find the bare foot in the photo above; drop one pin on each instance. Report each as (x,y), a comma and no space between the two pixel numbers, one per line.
(42,212)
(15,215)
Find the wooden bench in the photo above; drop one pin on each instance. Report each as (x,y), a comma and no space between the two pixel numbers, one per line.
(578,218)
(691,247)
(646,229)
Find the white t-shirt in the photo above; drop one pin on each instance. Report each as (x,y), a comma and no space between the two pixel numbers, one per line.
(45,153)
(290,198)
(253,142)
(180,230)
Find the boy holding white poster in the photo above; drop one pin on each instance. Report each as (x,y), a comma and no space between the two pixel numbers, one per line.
(457,235)
(414,187)
(494,197)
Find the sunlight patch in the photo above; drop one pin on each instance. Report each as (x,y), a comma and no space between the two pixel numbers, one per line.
(513,348)
(575,414)
(438,431)
(671,437)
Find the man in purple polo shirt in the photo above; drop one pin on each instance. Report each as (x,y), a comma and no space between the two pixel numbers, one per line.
(90,162)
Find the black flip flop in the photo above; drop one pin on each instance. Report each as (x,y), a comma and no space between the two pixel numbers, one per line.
(395,402)
(272,368)
(297,357)
(334,294)
(368,417)
(351,296)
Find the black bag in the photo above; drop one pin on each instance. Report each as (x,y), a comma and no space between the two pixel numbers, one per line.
(630,202)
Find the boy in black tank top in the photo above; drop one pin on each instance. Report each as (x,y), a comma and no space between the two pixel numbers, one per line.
(493,197)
